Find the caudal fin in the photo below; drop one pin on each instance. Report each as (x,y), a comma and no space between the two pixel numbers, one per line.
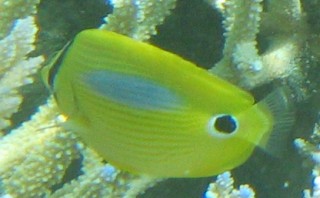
(281,107)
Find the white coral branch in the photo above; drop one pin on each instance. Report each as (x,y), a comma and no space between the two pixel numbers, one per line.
(15,67)
(136,18)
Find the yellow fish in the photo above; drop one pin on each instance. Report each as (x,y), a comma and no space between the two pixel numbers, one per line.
(148,111)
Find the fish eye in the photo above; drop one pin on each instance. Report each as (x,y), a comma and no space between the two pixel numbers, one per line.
(223,125)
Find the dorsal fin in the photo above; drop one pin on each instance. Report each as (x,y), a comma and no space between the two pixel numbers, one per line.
(281,107)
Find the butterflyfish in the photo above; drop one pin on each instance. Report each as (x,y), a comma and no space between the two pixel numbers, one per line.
(148,111)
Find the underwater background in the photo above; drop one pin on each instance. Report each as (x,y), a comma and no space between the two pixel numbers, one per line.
(194,31)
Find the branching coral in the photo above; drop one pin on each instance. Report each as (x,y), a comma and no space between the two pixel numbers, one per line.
(242,62)
(41,144)
(223,188)
(137,18)
(16,68)
(312,151)
(13,10)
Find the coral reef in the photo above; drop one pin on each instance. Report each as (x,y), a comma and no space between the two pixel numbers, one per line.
(311,150)
(16,67)
(223,188)
(265,41)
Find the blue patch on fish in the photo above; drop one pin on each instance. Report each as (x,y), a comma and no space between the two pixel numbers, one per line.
(132,90)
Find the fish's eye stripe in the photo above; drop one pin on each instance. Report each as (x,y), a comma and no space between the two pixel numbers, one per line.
(57,64)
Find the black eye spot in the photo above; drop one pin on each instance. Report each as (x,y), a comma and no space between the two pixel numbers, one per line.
(225,124)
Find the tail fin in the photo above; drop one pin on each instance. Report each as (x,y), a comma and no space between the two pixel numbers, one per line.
(281,107)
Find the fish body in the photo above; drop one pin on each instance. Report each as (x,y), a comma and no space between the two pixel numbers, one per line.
(149,111)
